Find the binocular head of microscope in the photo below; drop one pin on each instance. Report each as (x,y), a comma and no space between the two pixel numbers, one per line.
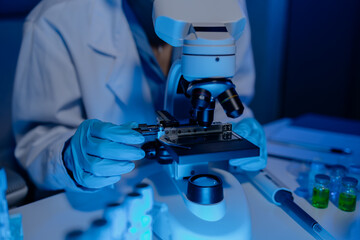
(207,32)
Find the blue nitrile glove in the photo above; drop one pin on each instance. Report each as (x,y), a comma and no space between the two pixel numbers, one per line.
(251,130)
(99,152)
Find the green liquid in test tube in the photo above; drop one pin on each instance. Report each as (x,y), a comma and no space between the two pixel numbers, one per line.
(347,202)
(320,197)
(347,198)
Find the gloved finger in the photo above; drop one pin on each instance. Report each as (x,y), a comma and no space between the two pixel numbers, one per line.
(251,163)
(260,163)
(107,167)
(91,181)
(242,129)
(130,125)
(254,166)
(116,133)
(242,161)
(249,127)
(112,150)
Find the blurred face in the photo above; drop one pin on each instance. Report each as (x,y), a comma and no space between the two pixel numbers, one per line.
(143,12)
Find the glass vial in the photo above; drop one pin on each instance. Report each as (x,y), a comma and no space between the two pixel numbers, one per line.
(354,171)
(320,196)
(315,168)
(4,213)
(337,173)
(347,198)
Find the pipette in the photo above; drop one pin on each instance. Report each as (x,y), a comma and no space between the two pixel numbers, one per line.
(281,196)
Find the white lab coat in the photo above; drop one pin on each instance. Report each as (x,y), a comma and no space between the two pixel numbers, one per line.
(79,61)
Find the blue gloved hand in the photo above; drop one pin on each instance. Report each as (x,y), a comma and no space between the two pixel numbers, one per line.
(100,152)
(251,130)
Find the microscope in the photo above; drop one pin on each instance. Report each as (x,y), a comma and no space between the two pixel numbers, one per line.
(200,200)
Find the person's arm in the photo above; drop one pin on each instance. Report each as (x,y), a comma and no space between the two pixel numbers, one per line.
(55,144)
(47,105)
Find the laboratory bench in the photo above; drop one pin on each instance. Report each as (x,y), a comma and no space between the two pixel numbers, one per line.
(53,217)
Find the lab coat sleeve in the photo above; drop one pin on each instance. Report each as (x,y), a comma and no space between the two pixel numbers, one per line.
(47,105)
(244,78)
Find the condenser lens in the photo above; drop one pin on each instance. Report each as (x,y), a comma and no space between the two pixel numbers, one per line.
(205,182)
(205,189)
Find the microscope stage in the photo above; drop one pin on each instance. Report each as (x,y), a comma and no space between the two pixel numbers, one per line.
(210,148)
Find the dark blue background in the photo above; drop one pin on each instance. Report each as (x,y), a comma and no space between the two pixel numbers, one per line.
(307,55)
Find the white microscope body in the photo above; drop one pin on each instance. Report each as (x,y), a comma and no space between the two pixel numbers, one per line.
(201,202)
(206,30)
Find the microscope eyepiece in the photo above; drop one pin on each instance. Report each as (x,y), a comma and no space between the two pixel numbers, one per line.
(231,103)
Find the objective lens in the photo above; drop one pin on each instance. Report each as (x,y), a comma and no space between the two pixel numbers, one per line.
(200,98)
(206,117)
(231,103)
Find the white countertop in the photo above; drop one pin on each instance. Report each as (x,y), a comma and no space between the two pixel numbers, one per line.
(53,217)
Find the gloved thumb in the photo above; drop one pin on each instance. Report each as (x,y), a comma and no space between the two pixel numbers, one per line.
(251,130)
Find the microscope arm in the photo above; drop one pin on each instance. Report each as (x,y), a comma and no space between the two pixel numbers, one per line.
(171,86)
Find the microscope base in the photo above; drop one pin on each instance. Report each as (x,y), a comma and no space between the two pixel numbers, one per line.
(178,218)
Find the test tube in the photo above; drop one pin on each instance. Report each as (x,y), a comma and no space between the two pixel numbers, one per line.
(354,171)
(99,230)
(147,194)
(75,235)
(315,168)
(320,196)
(115,214)
(135,211)
(347,198)
(337,173)
(4,213)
